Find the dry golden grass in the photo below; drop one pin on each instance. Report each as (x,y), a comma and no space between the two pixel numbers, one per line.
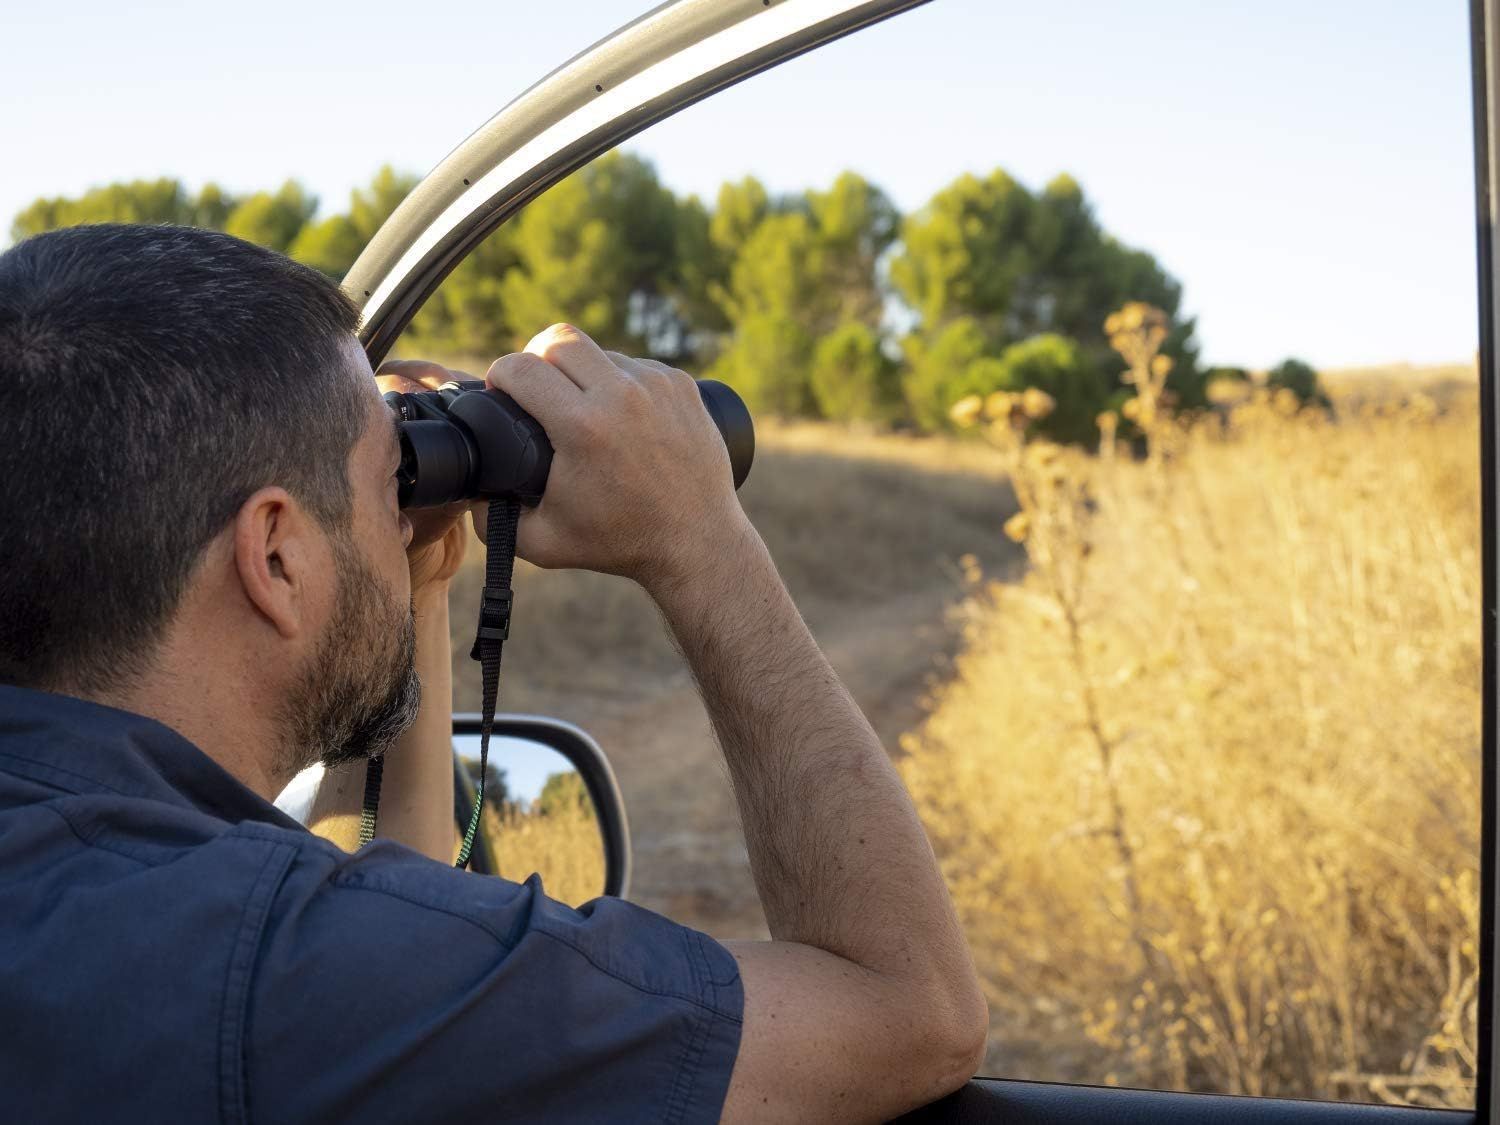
(562,844)
(1205,784)
(1354,387)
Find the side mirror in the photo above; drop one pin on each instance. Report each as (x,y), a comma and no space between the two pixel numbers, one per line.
(552,806)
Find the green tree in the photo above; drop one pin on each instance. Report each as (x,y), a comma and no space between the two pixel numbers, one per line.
(1301,379)
(708,243)
(965,255)
(212,207)
(496,793)
(854,223)
(1015,265)
(801,268)
(332,244)
(1058,365)
(598,250)
(768,362)
(563,793)
(272,219)
(1228,374)
(329,245)
(945,366)
(696,288)
(738,210)
(957,361)
(852,377)
(771,288)
(1224,386)
(1020,264)
(467,316)
(371,206)
(163,200)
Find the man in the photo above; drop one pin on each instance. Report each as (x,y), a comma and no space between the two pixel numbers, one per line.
(207,588)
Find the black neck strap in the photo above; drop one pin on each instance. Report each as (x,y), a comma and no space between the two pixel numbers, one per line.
(373,769)
(494,628)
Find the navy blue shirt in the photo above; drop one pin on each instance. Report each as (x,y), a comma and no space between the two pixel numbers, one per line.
(174,948)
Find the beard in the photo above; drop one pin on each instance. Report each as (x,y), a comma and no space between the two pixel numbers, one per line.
(360,692)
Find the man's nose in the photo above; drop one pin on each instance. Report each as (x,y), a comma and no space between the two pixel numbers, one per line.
(406,531)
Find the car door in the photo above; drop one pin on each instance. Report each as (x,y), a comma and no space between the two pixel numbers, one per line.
(686,51)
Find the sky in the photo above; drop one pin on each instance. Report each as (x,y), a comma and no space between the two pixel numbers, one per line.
(1303,167)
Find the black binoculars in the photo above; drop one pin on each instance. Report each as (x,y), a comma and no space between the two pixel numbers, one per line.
(469,441)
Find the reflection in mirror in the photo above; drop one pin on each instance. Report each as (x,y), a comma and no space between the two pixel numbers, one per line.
(538,817)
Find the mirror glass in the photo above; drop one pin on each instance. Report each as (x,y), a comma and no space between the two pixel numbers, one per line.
(538,817)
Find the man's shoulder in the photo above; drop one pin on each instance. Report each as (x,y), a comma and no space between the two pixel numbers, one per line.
(387,885)
(505,999)
(282,970)
(155,833)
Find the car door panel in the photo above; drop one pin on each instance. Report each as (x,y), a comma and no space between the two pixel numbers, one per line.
(987,1100)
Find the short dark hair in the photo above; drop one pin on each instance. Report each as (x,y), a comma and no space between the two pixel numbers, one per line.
(152,378)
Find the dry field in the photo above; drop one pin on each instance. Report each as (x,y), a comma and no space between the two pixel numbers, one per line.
(1196,739)
(1444,383)
(1205,782)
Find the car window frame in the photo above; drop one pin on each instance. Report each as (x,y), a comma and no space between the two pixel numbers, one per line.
(460,203)
(1485,69)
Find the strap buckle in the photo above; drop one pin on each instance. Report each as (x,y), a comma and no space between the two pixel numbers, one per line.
(494,618)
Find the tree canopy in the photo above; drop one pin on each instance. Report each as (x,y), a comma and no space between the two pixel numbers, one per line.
(826,302)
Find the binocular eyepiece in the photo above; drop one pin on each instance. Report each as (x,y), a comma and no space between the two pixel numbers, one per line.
(469,441)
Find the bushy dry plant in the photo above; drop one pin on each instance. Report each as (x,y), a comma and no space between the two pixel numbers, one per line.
(1205,784)
(1137,331)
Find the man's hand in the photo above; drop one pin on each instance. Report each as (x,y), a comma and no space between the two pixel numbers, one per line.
(641,484)
(437,543)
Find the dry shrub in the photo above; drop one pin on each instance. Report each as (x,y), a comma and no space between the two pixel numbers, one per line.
(1205,785)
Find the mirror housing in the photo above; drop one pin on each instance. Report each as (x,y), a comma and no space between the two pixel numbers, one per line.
(580,751)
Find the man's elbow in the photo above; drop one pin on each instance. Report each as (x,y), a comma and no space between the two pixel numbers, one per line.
(955,1041)
(971,1035)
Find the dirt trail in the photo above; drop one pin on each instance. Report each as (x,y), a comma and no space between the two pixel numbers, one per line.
(690,860)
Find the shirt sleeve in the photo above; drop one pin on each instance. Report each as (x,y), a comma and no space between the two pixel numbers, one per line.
(392,988)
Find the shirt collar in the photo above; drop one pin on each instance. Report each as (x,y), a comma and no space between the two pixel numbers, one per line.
(91,747)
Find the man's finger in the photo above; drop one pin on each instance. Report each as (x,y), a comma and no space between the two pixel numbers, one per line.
(388,382)
(431,524)
(543,391)
(422,372)
(657,365)
(479,519)
(629,364)
(536,542)
(575,355)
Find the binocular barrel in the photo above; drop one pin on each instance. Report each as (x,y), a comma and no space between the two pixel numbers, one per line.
(468,441)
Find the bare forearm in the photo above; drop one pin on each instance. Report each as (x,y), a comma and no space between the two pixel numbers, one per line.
(839,855)
(416,794)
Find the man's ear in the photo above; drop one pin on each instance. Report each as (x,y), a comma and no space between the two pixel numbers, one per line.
(278,554)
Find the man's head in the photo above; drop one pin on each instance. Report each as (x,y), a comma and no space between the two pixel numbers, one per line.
(193,437)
